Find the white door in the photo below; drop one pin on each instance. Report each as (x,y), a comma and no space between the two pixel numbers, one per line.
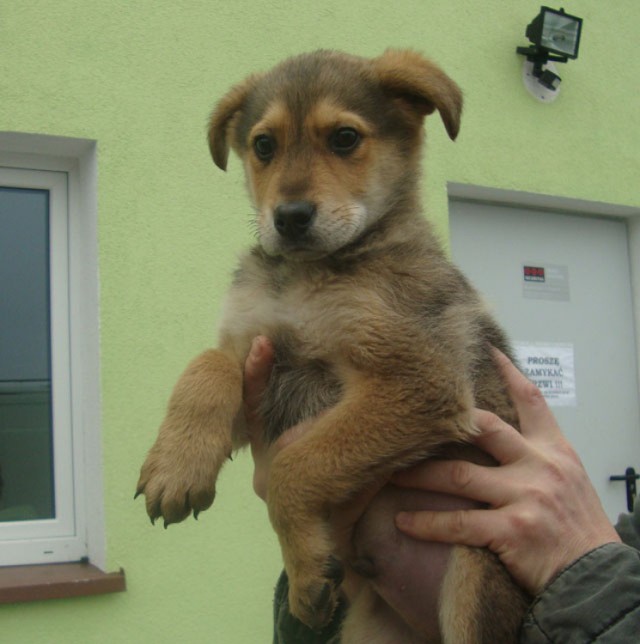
(559,284)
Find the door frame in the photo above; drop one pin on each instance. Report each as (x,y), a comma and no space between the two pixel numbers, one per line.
(538,201)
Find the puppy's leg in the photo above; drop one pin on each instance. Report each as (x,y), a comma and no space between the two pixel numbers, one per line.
(195,439)
(479,602)
(375,430)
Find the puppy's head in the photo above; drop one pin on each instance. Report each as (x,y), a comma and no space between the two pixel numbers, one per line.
(330,143)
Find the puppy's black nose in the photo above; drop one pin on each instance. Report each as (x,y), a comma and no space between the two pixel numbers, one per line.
(292,220)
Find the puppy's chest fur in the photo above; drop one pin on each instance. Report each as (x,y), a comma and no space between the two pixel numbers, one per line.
(300,308)
(297,309)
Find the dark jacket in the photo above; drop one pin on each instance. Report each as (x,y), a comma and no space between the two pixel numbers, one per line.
(595,599)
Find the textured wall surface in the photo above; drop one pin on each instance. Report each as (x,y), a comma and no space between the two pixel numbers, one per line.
(140,78)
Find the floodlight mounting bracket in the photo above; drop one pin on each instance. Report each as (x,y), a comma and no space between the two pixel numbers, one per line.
(535,55)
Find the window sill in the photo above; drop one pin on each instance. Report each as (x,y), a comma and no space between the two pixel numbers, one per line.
(56,581)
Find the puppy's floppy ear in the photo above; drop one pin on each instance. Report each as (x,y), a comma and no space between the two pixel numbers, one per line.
(223,116)
(421,85)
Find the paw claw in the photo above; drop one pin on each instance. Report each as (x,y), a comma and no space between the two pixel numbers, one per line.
(335,570)
(324,597)
(174,488)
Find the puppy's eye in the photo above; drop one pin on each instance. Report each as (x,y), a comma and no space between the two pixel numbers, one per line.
(344,140)
(265,147)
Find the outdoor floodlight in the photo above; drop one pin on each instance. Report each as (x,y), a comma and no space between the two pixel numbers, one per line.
(556,37)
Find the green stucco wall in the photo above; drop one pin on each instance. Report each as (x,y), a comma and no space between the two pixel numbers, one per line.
(140,77)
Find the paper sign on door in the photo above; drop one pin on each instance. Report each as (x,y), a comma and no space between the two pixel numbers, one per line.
(550,366)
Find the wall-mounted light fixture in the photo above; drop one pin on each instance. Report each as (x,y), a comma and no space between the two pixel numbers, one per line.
(555,38)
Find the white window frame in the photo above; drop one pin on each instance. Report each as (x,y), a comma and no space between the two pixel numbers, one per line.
(67,169)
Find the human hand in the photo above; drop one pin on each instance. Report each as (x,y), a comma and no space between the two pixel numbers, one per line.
(543,511)
(257,369)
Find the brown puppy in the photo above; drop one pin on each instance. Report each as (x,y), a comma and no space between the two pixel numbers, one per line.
(371,324)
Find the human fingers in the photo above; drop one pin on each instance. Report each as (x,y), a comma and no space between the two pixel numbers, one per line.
(498,438)
(467,527)
(536,419)
(458,478)
(257,368)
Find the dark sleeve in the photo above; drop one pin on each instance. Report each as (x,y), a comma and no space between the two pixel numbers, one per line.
(628,527)
(595,599)
(287,629)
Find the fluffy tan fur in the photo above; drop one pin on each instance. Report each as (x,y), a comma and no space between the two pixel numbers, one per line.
(371,323)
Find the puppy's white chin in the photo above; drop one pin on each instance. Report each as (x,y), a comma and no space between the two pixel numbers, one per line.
(293,252)
(333,229)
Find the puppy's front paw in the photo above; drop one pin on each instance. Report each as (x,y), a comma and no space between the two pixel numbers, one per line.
(180,477)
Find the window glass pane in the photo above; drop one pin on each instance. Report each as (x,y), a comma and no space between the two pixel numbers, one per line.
(26,457)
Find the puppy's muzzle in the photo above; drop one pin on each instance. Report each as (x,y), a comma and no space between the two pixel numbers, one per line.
(293,220)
